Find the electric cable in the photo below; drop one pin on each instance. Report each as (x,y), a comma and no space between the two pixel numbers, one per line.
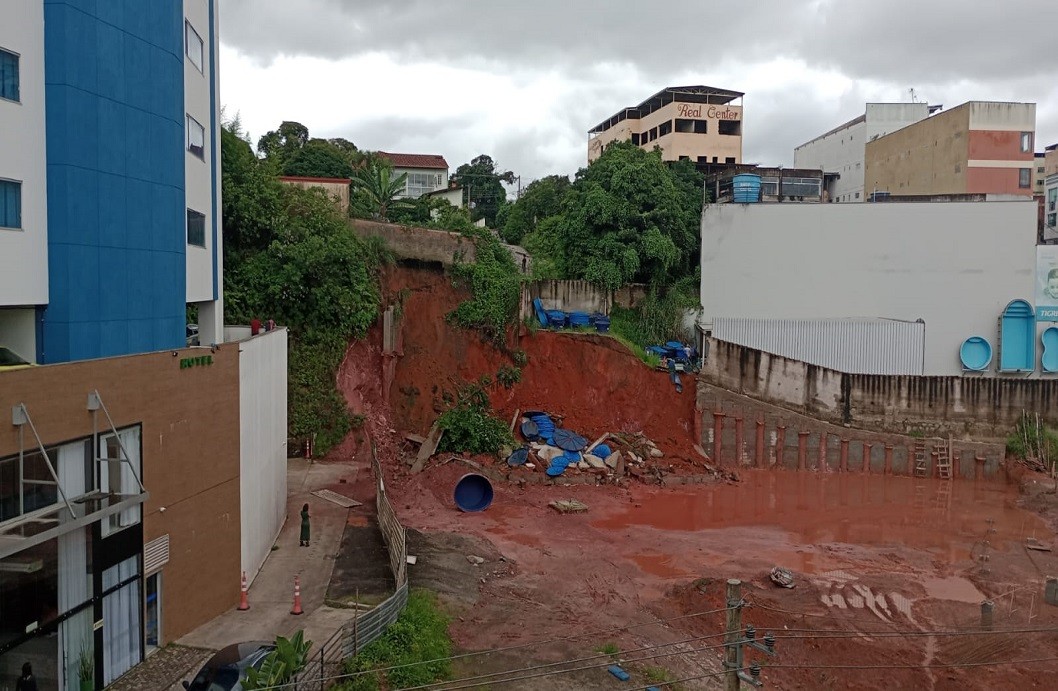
(939,665)
(546,641)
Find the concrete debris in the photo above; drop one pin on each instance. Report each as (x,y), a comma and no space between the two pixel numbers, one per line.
(568,506)
(781,577)
(476,561)
(594,461)
(612,460)
(655,452)
(549,453)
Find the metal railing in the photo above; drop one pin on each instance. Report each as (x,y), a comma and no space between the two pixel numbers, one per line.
(325,662)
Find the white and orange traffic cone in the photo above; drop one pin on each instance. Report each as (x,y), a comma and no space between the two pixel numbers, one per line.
(244,600)
(297,596)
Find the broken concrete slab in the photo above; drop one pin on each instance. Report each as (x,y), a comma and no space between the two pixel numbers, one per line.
(612,460)
(428,448)
(595,461)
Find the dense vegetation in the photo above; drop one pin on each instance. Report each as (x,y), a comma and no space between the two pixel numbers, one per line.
(628,217)
(420,635)
(289,256)
(469,424)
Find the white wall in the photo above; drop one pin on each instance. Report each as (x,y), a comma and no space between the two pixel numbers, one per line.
(843,150)
(198,179)
(262,444)
(955,265)
(24,253)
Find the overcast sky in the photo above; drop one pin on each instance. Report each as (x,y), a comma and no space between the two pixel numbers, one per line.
(524,81)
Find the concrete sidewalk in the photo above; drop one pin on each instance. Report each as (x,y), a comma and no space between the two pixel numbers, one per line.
(271,594)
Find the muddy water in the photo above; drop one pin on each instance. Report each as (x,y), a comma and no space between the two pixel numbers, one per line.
(950,520)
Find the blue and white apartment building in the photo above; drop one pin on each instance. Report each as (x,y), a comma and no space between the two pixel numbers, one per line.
(109,176)
(140,475)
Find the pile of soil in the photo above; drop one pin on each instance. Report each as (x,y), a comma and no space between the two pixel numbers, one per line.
(592,382)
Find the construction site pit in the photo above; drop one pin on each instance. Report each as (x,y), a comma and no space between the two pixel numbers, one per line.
(889,572)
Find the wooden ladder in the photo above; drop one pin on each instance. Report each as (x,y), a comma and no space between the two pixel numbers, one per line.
(921,460)
(944,468)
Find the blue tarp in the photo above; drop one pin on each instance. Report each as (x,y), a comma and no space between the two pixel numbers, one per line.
(602,451)
(569,441)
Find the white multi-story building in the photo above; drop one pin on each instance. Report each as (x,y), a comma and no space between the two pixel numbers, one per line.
(109,177)
(842,149)
(426,172)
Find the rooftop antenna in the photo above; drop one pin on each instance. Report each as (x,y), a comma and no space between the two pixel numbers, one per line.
(914,97)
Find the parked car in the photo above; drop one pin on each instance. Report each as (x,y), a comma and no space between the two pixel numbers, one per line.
(226,670)
(192,335)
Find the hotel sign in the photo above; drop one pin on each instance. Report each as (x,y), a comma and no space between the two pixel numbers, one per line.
(690,110)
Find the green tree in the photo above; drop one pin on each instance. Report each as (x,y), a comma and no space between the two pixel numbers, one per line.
(289,256)
(628,217)
(319,159)
(484,184)
(280,144)
(376,189)
(541,199)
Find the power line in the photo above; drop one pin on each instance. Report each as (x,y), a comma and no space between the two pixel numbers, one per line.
(939,665)
(546,641)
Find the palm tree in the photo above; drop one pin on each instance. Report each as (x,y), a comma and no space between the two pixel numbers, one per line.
(380,190)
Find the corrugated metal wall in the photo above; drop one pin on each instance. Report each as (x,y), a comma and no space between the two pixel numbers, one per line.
(856,346)
(263,444)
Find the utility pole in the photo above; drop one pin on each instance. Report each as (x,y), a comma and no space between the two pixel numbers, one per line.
(734,640)
(732,632)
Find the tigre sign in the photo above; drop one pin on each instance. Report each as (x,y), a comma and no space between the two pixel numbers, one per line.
(691,110)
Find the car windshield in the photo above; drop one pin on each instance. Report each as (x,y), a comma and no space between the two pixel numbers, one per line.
(222,679)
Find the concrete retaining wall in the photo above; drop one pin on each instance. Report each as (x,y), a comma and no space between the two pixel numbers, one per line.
(961,406)
(429,245)
(738,431)
(578,296)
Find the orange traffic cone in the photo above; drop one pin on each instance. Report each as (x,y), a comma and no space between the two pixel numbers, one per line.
(244,600)
(297,596)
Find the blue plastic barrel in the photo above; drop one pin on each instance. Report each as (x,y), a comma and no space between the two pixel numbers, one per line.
(746,188)
(473,492)
(579,319)
(602,324)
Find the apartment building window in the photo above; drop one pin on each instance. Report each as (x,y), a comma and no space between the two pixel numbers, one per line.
(729,159)
(730,127)
(1026,142)
(196,137)
(10,204)
(635,138)
(1025,177)
(691,126)
(196,228)
(193,46)
(665,128)
(419,184)
(9,76)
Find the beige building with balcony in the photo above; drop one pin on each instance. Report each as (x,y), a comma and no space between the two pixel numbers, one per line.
(697,123)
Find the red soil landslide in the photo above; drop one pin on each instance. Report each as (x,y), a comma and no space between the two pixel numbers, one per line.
(590,381)
(883,561)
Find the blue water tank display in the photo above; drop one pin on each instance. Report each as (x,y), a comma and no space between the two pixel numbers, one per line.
(975,354)
(746,188)
(1017,338)
(1050,349)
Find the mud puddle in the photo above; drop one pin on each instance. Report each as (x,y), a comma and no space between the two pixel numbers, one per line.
(848,512)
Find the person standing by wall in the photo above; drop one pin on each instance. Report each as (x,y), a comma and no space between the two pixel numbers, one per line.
(305,525)
(27,682)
